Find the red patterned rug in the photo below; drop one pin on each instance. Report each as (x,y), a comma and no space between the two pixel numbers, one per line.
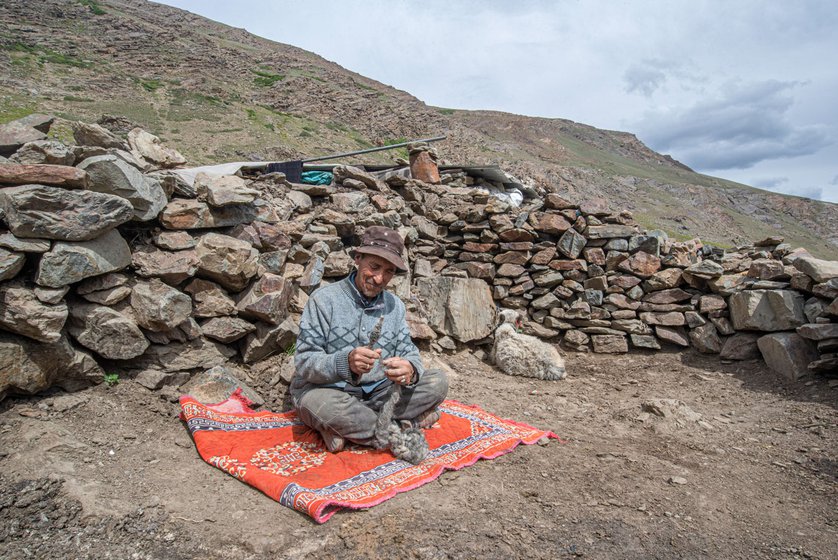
(279,455)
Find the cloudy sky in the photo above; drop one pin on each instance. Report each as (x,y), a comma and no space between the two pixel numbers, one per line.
(744,89)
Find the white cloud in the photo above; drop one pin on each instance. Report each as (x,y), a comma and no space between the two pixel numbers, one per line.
(721,85)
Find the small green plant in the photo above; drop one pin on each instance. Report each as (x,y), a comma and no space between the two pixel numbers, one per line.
(446,111)
(266,79)
(111,379)
(151,85)
(291,350)
(93,5)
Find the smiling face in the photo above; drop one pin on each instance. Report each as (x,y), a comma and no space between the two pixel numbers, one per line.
(374,273)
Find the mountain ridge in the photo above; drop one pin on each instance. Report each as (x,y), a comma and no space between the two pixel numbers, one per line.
(220,93)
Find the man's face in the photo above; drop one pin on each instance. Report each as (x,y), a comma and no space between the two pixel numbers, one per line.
(374,273)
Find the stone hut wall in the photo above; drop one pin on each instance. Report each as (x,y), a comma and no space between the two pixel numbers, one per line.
(109,258)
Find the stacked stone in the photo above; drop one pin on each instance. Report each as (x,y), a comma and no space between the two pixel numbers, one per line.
(100,262)
(591,278)
(107,256)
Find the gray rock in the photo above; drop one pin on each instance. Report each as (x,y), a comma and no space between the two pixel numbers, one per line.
(723,325)
(351,202)
(210,300)
(193,214)
(226,260)
(609,344)
(224,191)
(149,147)
(159,307)
(9,241)
(672,295)
(111,175)
(645,341)
(671,319)
(29,367)
(766,310)
(103,282)
(818,331)
(458,307)
(21,312)
(266,300)
(227,329)
(610,231)
(576,340)
(674,335)
(109,296)
(154,379)
(96,135)
(270,339)
(706,339)
(174,240)
(44,152)
(172,267)
(571,243)
(632,326)
(55,213)
(15,134)
(740,346)
(216,385)
(818,270)
(789,354)
(70,262)
(106,331)
(706,270)
(183,356)
(10,264)
(814,308)
(51,296)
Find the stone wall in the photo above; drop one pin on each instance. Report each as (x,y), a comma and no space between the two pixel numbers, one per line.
(108,258)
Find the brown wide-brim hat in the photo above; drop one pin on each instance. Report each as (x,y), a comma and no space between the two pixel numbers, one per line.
(385,243)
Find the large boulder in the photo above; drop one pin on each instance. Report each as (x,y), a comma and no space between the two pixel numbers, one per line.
(43,174)
(267,299)
(789,354)
(65,215)
(159,307)
(29,367)
(766,310)
(224,191)
(70,262)
(15,134)
(740,346)
(21,312)
(216,385)
(149,147)
(227,260)
(111,175)
(819,270)
(461,308)
(106,331)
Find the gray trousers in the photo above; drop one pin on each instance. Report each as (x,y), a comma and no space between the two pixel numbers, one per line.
(352,414)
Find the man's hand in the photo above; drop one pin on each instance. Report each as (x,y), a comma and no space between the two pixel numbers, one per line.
(362,359)
(398,370)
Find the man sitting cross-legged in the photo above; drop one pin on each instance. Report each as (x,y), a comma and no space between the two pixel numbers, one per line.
(342,379)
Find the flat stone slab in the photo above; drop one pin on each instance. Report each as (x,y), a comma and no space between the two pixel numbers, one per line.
(43,174)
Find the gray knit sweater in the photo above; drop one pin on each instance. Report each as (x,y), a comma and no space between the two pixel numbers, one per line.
(336,320)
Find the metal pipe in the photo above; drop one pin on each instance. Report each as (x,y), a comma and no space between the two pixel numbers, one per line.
(369,150)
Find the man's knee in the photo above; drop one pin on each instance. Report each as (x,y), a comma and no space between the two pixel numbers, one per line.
(435,382)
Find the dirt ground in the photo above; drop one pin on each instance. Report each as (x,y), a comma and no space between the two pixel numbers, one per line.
(744,467)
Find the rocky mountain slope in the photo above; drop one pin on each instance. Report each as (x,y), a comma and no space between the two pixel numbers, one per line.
(222,94)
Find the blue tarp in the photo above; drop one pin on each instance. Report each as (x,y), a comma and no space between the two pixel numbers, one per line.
(317,177)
